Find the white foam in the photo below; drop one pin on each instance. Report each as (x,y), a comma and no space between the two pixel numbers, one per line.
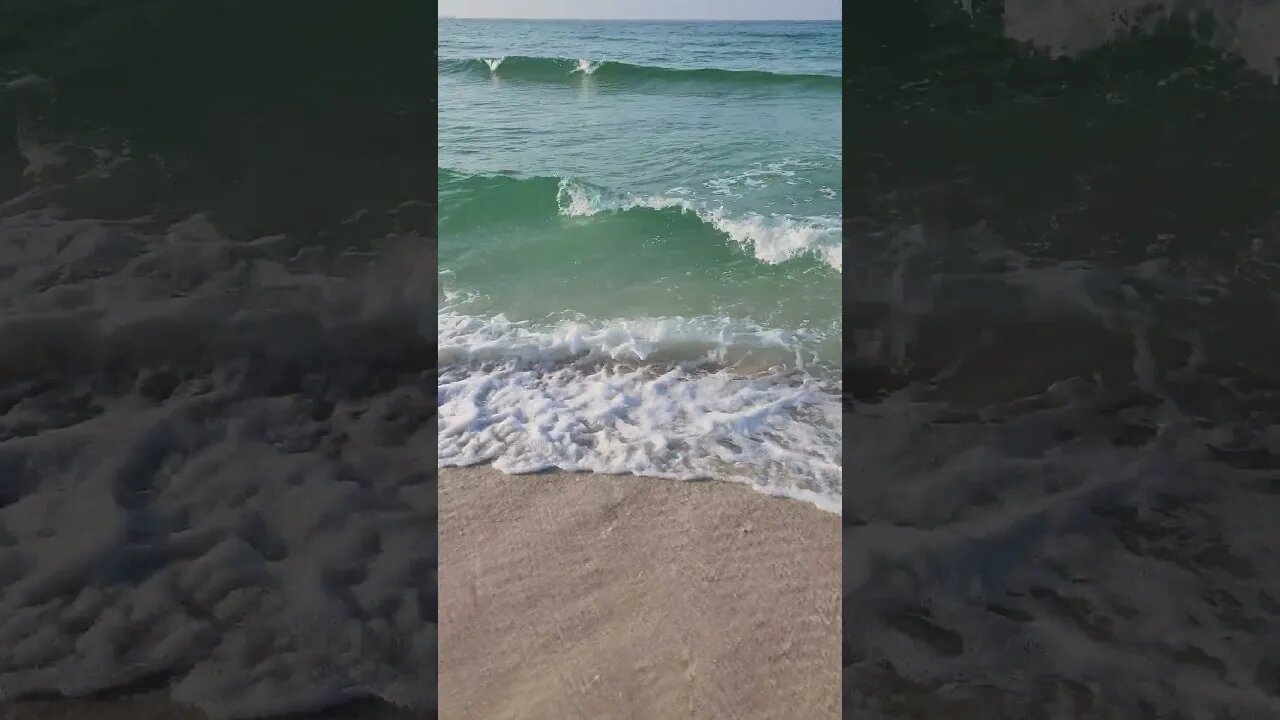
(466,338)
(527,399)
(1250,29)
(29,80)
(39,156)
(203,537)
(586,67)
(576,200)
(779,238)
(493,63)
(773,239)
(755,177)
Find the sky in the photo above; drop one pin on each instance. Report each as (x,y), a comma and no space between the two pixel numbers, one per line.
(645,9)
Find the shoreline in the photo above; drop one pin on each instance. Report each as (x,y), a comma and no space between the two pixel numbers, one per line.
(608,595)
(577,594)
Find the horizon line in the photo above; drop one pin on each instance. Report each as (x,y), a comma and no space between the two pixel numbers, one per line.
(575,19)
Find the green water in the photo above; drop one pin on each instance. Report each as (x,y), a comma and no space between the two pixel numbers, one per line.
(643,198)
(724,138)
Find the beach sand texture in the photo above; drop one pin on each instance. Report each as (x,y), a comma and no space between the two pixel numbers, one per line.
(597,596)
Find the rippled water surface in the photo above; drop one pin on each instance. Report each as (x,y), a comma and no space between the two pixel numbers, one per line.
(640,249)
(1062,313)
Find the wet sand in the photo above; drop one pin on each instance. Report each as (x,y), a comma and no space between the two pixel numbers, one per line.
(594,596)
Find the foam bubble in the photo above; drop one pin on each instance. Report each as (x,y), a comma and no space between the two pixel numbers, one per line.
(648,397)
(756,177)
(773,239)
(466,338)
(157,529)
(576,200)
(779,238)
(27,81)
(586,67)
(40,156)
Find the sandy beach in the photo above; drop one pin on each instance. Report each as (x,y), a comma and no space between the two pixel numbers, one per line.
(595,596)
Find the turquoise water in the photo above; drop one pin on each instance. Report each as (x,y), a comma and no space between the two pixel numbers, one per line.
(640,258)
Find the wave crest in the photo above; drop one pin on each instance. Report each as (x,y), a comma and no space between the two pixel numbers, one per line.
(772,239)
(550,69)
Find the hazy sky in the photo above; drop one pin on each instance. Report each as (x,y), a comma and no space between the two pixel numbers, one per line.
(646,9)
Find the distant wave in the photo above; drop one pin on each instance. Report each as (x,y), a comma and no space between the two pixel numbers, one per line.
(772,239)
(545,69)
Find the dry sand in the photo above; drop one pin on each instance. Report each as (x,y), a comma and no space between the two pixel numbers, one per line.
(594,596)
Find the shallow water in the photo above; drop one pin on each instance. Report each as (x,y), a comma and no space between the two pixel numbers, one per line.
(640,249)
(1062,298)
(216,364)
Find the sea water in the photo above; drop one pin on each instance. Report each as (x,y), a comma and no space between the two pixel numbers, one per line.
(640,250)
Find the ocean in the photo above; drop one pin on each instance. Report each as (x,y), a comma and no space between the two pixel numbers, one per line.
(1053,383)
(640,250)
(1062,329)
(216,355)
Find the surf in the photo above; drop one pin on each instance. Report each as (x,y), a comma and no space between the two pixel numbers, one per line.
(569,70)
(771,238)
(681,398)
